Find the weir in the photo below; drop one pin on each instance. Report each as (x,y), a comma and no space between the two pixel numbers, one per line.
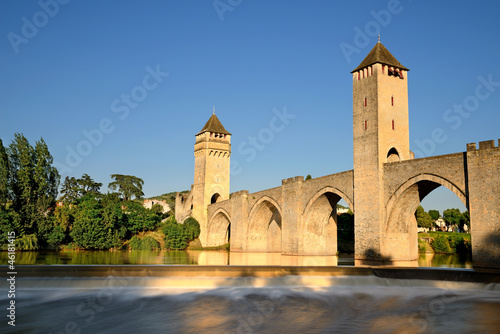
(189,271)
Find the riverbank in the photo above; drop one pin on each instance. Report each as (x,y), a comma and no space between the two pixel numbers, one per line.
(444,243)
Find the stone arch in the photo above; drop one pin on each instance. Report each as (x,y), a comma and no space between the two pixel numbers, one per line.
(393,155)
(264,232)
(401,228)
(215,198)
(219,228)
(216,190)
(318,234)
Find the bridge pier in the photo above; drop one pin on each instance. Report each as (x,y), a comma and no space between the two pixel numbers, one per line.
(483,179)
(292,214)
(239,220)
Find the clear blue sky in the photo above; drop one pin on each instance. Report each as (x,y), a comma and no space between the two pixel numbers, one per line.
(68,69)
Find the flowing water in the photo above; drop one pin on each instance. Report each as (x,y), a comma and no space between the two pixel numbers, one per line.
(80,301)
(292,304)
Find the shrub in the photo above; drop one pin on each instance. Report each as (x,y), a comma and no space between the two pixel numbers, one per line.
(440,244)
(27,242)
(178,236)
(149,243)
(175,237)
(56,236)
(135,243)
(192,228)
(146,243)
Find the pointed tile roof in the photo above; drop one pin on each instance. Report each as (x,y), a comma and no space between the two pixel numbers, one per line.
(379,54)
(214,125)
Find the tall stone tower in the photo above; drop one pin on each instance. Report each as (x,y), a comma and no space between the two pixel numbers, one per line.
(381,135)
(212,151)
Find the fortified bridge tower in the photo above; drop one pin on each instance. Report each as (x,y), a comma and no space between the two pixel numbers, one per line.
(381,135)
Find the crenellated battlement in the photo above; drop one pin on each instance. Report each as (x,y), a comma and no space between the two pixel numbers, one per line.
(292,180)
(483,145)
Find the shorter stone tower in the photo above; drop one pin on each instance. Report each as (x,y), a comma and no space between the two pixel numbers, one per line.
(212,151)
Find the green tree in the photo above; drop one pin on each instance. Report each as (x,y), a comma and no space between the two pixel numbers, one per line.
(33,182)
(88,185)
(69,190)
(424,219)
(441,245)
(465,220)
(434,214)
(138,218)
(73,189)
(46,177)
(127,186)
(453,217)
(308,177)
(4,175)
(90,229)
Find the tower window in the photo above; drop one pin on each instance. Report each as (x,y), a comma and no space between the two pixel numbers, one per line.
(358,75)
(371,70)
(383,69)
(366,125)
(392,101)
(365,102)
(393,124)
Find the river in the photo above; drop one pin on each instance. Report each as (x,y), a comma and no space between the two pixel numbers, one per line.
(67,297)
(194,257)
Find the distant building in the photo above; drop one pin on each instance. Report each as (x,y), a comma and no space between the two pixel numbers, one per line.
(148,204)
(342,210)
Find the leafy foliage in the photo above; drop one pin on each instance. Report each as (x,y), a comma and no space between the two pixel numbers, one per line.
(27,242)
(448,243)
(73,189)
(434,214)
(4,175)
(146,243)
(177,236)
(440,244)
(192,228)
(455,217)
(424,219)
(140,219)
(31,185)
(127,186)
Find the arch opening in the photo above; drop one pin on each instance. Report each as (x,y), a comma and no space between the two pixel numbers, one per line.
(323,223)
(219,230)
(264,233)
(401,240)
(215,198)
(393,155)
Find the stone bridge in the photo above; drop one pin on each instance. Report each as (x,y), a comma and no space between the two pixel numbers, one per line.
(299,217)
(383,190)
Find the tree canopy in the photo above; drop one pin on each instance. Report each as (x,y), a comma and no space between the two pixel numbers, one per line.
(434,214)
(424,219)
(29,181)
(127,186)
(73,188)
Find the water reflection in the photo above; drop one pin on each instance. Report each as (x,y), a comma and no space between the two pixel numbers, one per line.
(192,257)
(445,260)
